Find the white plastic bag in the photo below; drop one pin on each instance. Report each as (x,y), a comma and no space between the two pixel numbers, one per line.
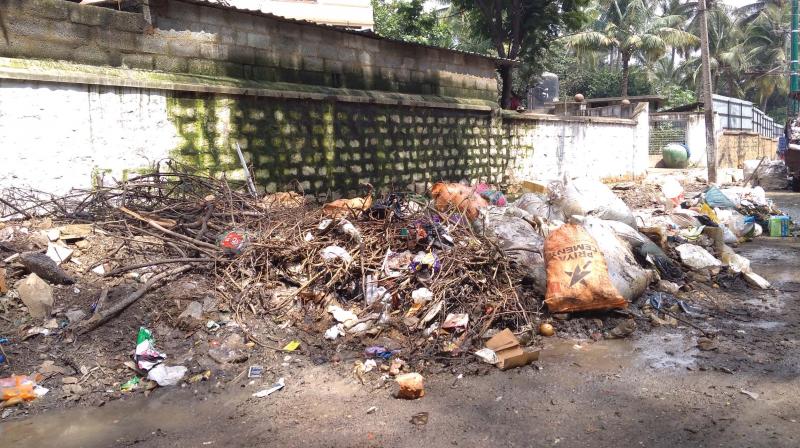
(584,196)
(167,375)
(332,253)
(696,257)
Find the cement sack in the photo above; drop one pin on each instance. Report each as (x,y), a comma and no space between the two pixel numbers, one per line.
(518,241)
(771,175)
(539,206)
(613,237)
(577,274)
(584,196)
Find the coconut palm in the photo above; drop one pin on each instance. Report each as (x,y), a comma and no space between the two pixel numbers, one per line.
(750,12)
(728,56)
(631,28)
(767,45)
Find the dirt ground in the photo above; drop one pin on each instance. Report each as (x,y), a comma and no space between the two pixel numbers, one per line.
(657,388)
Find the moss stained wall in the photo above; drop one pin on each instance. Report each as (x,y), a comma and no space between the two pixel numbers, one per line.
(336,147)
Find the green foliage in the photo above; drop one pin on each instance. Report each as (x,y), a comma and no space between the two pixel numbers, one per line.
(520,29)
(676,95)
(407,20)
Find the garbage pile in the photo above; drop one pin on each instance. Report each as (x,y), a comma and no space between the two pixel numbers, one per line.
(462,273)
(364,265)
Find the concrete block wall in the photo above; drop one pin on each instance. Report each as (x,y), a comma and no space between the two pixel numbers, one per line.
(735,147)
(322,146)
(186,37)
(334,146)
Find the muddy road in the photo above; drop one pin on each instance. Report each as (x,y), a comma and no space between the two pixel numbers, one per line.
(657,389)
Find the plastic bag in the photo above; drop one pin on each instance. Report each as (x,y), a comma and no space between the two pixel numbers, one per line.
(577,274)
(146,355)
(585,196)
(716,198)
(625,273)
(520,242)
(539,206)
(19,388)
(461,197)
(696,257)
(167,375)
(672,190)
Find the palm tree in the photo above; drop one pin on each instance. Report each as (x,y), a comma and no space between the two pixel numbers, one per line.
(631,28)
(728,55)
(750,12)
(767,43)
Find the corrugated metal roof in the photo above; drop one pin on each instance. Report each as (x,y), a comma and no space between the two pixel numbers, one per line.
(368,33)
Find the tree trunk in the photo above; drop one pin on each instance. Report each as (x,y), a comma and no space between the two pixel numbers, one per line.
(505,78)
(625,72)
(708,102)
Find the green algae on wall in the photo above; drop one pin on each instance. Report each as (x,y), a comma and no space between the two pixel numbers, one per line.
(327,146)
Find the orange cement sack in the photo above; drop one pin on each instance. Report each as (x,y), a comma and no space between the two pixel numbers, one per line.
(577,275)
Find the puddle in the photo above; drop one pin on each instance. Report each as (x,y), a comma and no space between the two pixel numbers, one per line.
(775,259)
(655,350)
(668,350)
(761,324)
(124,423)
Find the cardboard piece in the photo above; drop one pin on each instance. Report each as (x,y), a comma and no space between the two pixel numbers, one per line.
(509,353)
(532,186)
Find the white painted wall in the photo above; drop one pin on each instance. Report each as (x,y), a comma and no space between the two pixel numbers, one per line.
(53,136)
(588,147)
(696,138)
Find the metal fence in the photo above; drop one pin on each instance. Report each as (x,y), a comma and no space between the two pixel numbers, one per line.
(741,115)
(664,130)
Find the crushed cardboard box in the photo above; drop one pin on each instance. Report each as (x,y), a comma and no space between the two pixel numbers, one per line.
(504,351)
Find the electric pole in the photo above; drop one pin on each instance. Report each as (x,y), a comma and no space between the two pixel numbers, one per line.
(794,81)
(708,100)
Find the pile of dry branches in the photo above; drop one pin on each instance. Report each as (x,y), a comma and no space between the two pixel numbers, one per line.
(279,270)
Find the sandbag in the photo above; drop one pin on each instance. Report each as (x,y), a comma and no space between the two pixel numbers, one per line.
(519,241)
(577,274)
(584,196)
(625,273)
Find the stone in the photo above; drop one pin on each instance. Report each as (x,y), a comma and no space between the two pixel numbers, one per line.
(231,350)
(192,317)
(411,386)
(59,254)
(193,311)
(51,324)
(47,269)
(75,315)
(73,232)
(49,367)
(37,295)
(82,244)
(69,380)
(668,287)
(53,234)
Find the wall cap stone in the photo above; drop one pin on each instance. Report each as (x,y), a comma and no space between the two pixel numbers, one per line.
(71,73)
(569,119)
